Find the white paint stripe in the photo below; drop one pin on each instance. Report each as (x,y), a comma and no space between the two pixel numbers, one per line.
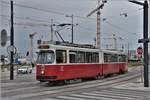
(117,93)
(17,84)
(50,99)
(69,98)
(108,96)
(7,99)
(20,89)
(89,97)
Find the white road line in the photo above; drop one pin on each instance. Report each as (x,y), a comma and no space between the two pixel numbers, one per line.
(19,89)
(69,98)
(50,99)
(107,96)
(90,97)
(128,93)
(117,94)
(18,84)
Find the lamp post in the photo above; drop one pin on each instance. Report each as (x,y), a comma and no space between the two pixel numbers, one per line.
(31,46)
(71,27)
(145,39)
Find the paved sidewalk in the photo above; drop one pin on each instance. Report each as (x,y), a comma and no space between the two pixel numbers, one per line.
(137,85)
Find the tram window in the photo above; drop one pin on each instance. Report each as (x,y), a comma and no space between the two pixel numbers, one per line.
(107,57)
(61,56)
(122,58)
(114,58)
(45,57)
(110,58)
(72,56)
(80,57)
(88,57)
(95,58)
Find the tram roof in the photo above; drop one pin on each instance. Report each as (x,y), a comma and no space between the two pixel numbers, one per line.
(52,46)
(78,47)
(113,52)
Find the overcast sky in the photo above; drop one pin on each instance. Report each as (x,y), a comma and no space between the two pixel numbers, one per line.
(34,16)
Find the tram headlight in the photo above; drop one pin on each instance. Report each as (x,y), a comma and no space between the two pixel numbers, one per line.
(42,72)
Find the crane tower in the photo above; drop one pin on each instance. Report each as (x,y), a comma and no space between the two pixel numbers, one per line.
(100,5)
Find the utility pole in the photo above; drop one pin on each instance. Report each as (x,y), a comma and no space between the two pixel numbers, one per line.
(98,43)
(72,28)
(115,42)
(145,39)
(31,46)
(128,51)
(72,40)
(12,44)
(51,30)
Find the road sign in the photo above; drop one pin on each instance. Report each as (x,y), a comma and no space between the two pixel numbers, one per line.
(140,50)
(11,49)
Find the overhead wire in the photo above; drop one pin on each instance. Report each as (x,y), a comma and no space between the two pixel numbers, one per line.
(118,27)
(46,23)
(44,10)
(59,13)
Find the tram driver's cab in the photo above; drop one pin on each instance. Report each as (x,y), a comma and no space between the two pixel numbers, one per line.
(46,57)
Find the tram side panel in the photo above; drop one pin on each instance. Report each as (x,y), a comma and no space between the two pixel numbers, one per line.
(64,72)
(110,68)
(78,71)
(123,67)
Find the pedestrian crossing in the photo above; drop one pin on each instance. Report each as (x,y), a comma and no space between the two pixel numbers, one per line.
(106,94)
(45,93)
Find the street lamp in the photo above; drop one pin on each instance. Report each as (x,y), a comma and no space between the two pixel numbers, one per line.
(71,27)
(31,46)
(145,39)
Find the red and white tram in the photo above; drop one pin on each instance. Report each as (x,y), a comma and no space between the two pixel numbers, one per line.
(65,62)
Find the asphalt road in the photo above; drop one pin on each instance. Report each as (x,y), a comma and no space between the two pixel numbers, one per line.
(25,87)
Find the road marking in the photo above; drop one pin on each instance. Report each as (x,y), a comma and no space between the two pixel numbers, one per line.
(90,96)
(18,84)
(19,89)
(70,98)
